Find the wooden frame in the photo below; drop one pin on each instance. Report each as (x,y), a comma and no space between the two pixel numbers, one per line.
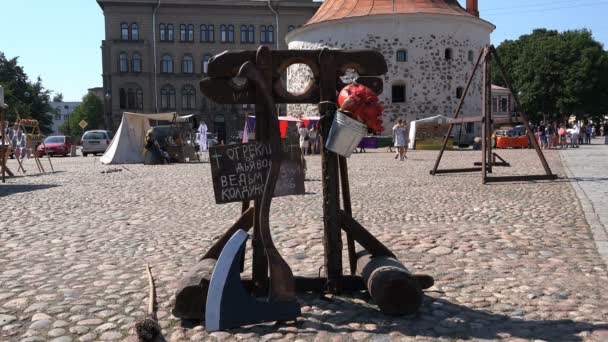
(489,158)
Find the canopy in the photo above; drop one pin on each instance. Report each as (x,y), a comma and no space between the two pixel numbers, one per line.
(310,121)
(436,120)
(127,147)
(283,122)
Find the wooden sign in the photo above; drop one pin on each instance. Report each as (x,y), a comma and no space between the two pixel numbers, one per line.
(239,171)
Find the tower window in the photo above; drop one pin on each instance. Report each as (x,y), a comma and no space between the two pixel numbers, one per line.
(471,56)
(459,92)
(398,93)
(402,56)
(448,54)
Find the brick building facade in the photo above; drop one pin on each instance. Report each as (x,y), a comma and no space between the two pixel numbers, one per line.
(155,52)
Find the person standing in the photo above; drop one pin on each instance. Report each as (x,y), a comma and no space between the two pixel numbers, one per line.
(562,136)
(588,134)
(400,139)
(304,138)
(314,140)
(549,135)
(576,130)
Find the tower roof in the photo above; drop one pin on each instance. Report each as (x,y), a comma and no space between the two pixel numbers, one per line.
(340,9)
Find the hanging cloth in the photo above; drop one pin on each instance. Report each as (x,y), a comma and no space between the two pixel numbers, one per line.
(202,129)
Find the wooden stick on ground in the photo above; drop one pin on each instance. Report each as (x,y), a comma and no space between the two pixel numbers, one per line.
(148,329)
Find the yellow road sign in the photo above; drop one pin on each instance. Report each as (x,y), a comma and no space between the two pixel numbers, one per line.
(83,124)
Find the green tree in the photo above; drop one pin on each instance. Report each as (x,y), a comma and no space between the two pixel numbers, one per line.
(24,97)
(58,97)
(90,110)
(557,73)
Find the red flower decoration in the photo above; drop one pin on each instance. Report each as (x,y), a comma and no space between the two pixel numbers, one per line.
(363,104)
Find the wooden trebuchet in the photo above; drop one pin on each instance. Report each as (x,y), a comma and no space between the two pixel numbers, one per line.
(394,289)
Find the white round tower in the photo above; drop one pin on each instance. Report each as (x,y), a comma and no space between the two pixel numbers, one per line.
(430,47)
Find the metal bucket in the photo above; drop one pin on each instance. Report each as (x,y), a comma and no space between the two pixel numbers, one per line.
(345,134)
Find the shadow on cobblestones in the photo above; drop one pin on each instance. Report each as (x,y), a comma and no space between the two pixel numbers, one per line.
(10,189)
(441,318)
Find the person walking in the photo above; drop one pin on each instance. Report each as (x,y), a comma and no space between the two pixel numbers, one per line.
(400,139)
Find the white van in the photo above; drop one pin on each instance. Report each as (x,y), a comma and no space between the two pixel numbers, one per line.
(95,142)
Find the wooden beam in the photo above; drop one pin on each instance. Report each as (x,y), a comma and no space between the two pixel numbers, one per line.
(506,120)
(245,222)
(523,178)
(363,237)
(469,169)
(465,120)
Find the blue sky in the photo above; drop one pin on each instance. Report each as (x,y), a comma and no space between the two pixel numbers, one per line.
(60,40)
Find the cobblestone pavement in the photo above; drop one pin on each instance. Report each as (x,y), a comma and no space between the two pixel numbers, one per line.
(511,261)
(587,166)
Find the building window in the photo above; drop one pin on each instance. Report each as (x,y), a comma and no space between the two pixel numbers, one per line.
(182,32)
(206,59)
(471,56)
(290,28)
(187,65)
(448,54)
(57,117)
(162,31)
(167,97)
(124,31)
(211,34)
(244,34)
(270,34)
(398,92)
(66,117)
(504,104)
(130,98)
(170,32)
(191,33)
(468,128)
(134,31)
(263,34)
(136,62)
(122,98)
(123,65)
(459,92)
(223,34)
(204,33)
(139,98)
(251,32)
(166,65)
(402,56)
(230,33)
(188,97)
(494,104)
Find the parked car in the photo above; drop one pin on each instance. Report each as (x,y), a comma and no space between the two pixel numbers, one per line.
(211,140)
(95,142)
(55,145)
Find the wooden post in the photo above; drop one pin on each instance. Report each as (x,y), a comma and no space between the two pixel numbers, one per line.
(332,237)
(350,242)
(259,271)
(488,109)
(484,123)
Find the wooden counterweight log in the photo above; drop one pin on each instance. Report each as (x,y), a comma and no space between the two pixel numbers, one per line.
(393,288)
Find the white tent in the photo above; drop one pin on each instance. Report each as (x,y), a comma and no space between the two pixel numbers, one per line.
(438,120)
(127,147)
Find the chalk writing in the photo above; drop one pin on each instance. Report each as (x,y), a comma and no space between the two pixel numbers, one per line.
(239,171)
